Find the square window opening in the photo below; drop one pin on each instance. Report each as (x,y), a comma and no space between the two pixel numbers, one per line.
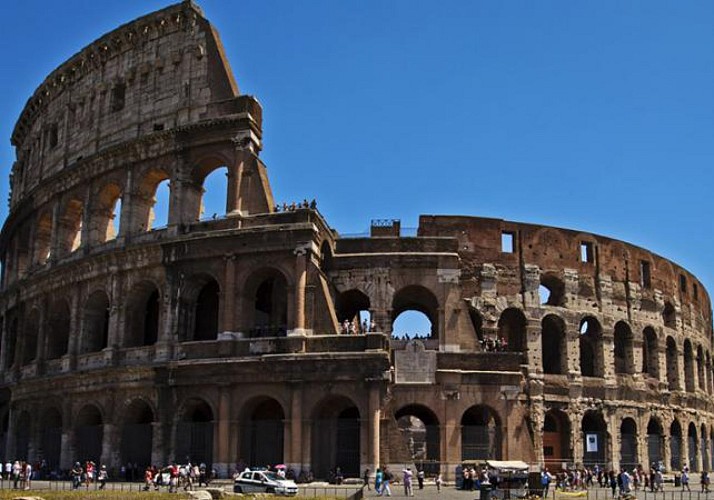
(507,243)
(586,252)
(645,274)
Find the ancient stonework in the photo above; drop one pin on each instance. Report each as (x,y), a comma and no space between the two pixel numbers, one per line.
(227,339)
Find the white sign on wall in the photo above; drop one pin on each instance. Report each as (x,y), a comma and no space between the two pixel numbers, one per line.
(590,443)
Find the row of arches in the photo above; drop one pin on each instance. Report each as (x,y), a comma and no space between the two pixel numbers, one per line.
(120,206)
(636,446)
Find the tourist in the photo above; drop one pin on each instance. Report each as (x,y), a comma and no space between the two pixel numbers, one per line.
(102,477)
(378,476)
(685,478)
(365,479)
(76,475)
(438,481)
(420,478)
(387,477)
(705,481)
(545,479)
(407,479)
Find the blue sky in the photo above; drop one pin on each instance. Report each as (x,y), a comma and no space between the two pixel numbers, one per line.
(597,116)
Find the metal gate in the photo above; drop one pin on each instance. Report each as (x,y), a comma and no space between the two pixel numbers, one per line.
(136,443)
(348,446)
(22,442)
(480,442)
(675,451)
(89,443)
(594,444)
(52,446)
(265,442)
(628,451)
(654,448)
(692,444)
(194,442)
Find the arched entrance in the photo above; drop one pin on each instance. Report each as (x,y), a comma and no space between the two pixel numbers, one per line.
(591,352)
(675,446)
(143,315)
(553,344)
(263,435)
(353,307)
(336,437)
(419,428)
(595,439)
(556,438)
(89,432)
(693,447)
(194,435)
(22,436)
(419,303)
(512,327)
(137,434)
(655,442)
(628,444)
(96,322)
(205,312)
(51,438)
(266,305)
(58,329)
(480,434)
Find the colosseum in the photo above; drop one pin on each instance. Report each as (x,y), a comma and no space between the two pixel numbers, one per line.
(263,336)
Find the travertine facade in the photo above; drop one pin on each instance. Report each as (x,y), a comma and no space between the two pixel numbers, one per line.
(221,339)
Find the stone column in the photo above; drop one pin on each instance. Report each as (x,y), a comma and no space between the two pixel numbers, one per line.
(375,417)
(301,256)
(110,442)
(157,443)
(295,432)
(451,437)
(666,450)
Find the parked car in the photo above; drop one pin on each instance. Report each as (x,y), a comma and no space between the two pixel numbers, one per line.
(262,481)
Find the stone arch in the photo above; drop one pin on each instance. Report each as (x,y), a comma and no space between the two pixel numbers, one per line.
(351,304)
(700,368)
(555,290)
(43,238)
(137,433)
(58,326)
(266,308)
(675,445)
(512,327)
(689,371)
(194,435)
(556,437)
(336,436)
(596,442)
(655,441)
(650,356)
(420,430)
(628,444)
(95,322)
(51,438)
(211,168)
(624,348)
(553,345)
(481,434)
(144,205)
(200,306)
(89,432)
(143,310)
(417,298)
(70,226)
(263,436)
(31,329)
(592,362)
(106,213)
(672,364)
(692,447)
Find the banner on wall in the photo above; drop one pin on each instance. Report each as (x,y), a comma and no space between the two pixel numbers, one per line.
(590,443)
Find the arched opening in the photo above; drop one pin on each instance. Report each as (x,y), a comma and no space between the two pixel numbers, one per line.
(412,325)
(624,351)
(152,206)
(711,450)
(106,217)
(591,352)
(51,438)
(267,304)
(595,438)
(672,365)
(43,238)
(669,315)
(628,444)
(215,194)
(264,433)
(89,433)
(22,436)
(96,322)
(481,436)
(693,447)
(419,428)
(325,256)
(4,432)
(415,299)
(137,434)
(556,438)
(512,328)
(700,369)
(58,329)
(336,437)
(477,323)
(194,436)
(11,338)
(353,311)
(703,445)
(206,312)
(650,361)
(675,446)
(688,366)
(70,233)
(551,290)
(144,315)
(30,336)
(553,345)
(655,442)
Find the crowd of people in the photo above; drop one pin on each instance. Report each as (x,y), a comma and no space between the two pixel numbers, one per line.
(291,207)
(384,477)
(351,328)
(175,476)
(494,344)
